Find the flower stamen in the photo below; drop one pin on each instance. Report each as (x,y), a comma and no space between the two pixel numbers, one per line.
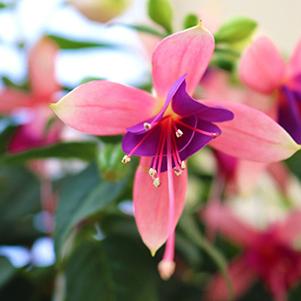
(210,134)
(179,133)
(152,172)
(147,126)
(126,159)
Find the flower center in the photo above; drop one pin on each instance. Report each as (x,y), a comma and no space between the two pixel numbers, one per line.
(180,131)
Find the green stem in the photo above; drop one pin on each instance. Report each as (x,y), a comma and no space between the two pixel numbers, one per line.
(189,226)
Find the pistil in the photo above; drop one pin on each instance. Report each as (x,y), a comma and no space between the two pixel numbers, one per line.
(167,265)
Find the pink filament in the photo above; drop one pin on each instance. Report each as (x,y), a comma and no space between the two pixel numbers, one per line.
(175,152)
(139,144)
(197,130)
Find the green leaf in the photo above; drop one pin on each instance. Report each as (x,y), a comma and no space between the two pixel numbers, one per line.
(7,271)
(294,164)
(4,4)
(143,29)
(19,201)
(190,21)
(8,128)
(67,44)
(235,30)
(109,161)
(11,84)
(160,11)
(189,226)
(67,150)
(223,62)
(82,196)
(113,269)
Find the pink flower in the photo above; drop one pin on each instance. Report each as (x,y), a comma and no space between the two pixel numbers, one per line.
(267,254)
(165,129)
(263,69)
(239,176)
(43,84)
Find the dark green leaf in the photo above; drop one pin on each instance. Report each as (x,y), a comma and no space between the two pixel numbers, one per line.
(294,164)
(111,139)
(65,43)
(189,226)
(19,201)
(7,271)
(224,62)
(190,21)
(115,269)
(8,129)
(160,11)
(235,30)
(67,150)
(82,196)
(11,84)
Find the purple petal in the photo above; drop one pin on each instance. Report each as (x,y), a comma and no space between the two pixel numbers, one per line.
(289,113)
(184,105)
(139,128)
(199,140)
(149,146)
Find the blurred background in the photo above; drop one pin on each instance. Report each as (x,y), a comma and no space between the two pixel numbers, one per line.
(108,46)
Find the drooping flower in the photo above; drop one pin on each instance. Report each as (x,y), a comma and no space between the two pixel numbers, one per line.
(36,131)
(263,69)
(43,88)
(167,128)
(270,254)
(240,176)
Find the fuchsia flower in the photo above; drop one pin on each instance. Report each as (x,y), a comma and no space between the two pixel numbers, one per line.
(269,254)
(167,128)
(239,176)
(263,69)
(34,133)
(43,85)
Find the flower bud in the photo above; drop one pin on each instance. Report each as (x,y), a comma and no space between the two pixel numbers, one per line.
(101,10)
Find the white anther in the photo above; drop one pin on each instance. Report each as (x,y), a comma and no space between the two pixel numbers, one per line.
(177,172)
(152,172)
(156,182)
(179,133)
(147,126)
(183,165)
(126,159)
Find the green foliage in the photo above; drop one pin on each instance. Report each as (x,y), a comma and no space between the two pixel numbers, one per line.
(143,29)
(5,4)
(294,164)
(8,82)
(76,205)
(190,21)
(235,30)
(19,201)
(160,11)
(118,269)
(7,271)
(109,161)
(69,44)
(66,150)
